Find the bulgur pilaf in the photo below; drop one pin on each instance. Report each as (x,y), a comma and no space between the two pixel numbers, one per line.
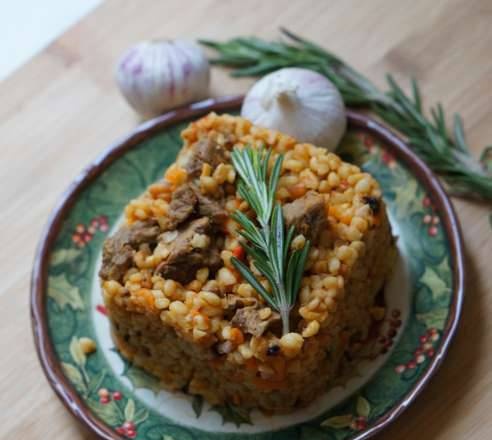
(180,310)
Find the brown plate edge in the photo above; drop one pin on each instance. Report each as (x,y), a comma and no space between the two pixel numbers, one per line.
(452,227)
(44,348)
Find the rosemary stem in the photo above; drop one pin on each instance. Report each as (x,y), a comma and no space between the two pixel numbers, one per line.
(269,243)
(284,315)
(445,151)
(265,228)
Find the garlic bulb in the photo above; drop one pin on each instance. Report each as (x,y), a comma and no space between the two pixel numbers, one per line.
(155,76)
(298,102)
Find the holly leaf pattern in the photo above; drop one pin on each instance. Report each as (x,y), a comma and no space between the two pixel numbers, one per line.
(141,379)
(233,414)
(107,412)
(77,353)
(363,407)
(96,380)
(435,318)
(130,410)
(432,279)
(64,256)
(141,415)
(338,422)
(74,375)
(64,293)
(405,198)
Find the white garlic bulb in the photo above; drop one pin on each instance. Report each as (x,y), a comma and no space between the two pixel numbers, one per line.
(300,103)
(155,76)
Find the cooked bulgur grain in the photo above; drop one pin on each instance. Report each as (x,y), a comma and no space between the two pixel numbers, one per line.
(180,310)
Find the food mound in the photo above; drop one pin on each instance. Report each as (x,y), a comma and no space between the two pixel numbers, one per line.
(182,311)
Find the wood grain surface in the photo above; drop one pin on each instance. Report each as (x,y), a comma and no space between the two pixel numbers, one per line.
(62,108)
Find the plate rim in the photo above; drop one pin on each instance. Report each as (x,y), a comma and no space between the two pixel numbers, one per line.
(39,276)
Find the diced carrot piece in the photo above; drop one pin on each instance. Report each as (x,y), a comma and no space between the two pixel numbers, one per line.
(333,211)
(239,252)
(237,336)
(345,218)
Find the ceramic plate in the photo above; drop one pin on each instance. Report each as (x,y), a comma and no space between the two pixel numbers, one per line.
(117,400)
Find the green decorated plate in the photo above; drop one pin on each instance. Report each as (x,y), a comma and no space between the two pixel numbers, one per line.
(117,400)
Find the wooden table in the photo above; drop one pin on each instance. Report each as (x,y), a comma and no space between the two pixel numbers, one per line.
(62,108)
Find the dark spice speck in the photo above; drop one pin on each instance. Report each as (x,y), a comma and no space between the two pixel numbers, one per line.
(273,350)
(373,203)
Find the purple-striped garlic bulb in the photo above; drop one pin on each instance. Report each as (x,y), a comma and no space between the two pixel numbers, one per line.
(155,76)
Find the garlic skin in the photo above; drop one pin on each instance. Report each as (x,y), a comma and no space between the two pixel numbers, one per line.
(300,103)
(155,76)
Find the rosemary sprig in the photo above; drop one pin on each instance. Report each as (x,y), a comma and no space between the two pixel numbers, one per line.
(268,242)
(446,154)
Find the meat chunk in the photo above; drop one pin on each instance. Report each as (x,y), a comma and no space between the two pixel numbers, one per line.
(234,302)
(185,257)
(205,151)
(211,208)
(118,250)
(182,206)
(307,215)
(188,202)
(249,321)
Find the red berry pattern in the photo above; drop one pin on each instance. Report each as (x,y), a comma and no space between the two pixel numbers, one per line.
(128,429)
(104,396)
(359,423)
(411,365)
(430,219)
(400,368)
(425,351)
(368,143)
(102,309)
(84,234)
(388,159)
